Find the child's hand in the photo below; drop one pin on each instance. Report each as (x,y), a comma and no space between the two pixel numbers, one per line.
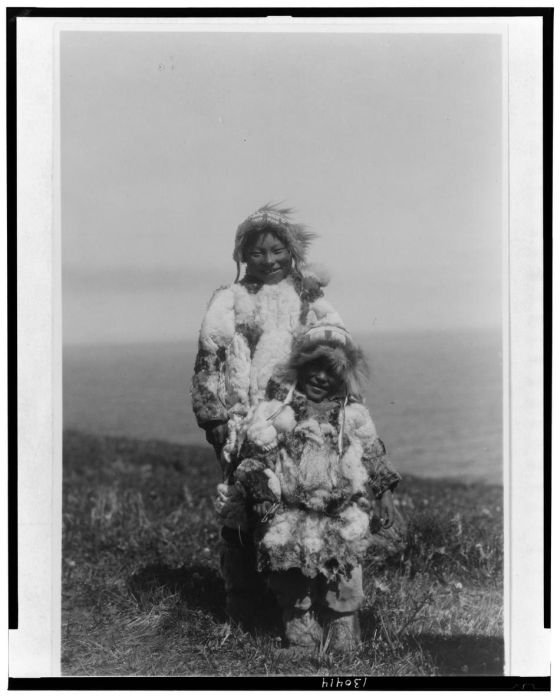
(262,508)
(387,509)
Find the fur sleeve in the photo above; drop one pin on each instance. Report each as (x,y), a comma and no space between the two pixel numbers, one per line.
(218,325)
(382,476)
(215,336)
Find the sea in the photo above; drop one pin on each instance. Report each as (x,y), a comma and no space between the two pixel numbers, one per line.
(436,397)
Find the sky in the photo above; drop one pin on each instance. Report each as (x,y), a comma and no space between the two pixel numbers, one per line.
(389,146)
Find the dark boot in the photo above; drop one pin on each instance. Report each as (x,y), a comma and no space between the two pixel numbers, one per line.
(244,588)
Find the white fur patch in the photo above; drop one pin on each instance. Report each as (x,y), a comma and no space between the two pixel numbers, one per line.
(264,410)
(277,307)
(354,523)
(280,531)
(272,350)
(358,422)
(273,483)
(218,325)
(311,537)
(261,431)
(351,467)
(285,421)
(263,435)
(244,304)
(238,358)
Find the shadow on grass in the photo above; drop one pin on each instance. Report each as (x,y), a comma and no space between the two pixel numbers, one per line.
(451,655)
(458,655)
(199,587)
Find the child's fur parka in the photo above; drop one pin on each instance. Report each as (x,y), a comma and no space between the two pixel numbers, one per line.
(321,517)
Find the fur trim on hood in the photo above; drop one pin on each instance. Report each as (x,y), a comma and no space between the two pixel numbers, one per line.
(271,217)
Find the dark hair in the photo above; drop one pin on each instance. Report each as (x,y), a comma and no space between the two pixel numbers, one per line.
(329,357)
(323,359)
(257,232)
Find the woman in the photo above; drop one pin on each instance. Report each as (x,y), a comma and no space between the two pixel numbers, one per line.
(249,326)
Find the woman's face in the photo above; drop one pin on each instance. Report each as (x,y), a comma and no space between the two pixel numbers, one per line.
(267,258)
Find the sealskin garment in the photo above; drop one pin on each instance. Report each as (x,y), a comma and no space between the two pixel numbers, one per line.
(246,333)
(315,463)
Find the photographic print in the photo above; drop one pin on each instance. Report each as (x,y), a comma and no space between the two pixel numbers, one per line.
(284,343)
(389,147)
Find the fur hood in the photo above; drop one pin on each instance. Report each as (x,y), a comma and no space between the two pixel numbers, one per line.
(335,345)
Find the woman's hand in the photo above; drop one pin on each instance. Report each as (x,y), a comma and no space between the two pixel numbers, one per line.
(387,509)
(217,435)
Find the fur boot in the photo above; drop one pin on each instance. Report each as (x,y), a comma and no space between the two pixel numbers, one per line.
(301,628)
(343,632)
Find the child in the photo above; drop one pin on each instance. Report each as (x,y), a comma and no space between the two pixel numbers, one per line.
(248,329)
(312,456)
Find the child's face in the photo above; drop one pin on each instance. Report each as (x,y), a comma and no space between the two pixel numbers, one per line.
(317,380)
(267,258)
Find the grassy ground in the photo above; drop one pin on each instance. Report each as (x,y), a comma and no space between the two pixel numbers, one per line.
(142,593)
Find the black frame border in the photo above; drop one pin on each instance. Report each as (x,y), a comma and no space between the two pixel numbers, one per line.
(467,683)
(255,683)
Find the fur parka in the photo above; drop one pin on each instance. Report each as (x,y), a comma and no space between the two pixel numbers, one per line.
(320,485)
(248,331)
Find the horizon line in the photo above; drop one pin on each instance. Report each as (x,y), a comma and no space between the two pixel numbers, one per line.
(360,334)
